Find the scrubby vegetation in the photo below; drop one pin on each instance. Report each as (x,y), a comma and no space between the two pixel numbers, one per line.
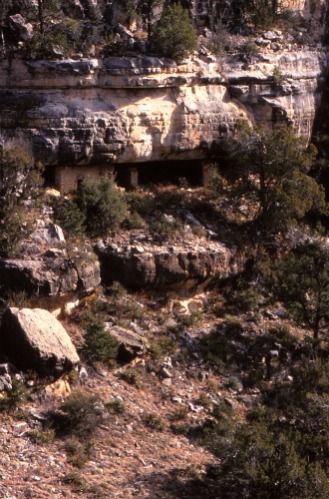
(20,183)
(55,29)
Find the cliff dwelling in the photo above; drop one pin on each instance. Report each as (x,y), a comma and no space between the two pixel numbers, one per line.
(191,173)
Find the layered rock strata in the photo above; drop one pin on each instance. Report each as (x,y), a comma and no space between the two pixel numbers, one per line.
(187,265)
(84,116)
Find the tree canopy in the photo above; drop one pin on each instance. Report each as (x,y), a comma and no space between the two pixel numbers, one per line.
(173,35)
(304,285)
(270,168)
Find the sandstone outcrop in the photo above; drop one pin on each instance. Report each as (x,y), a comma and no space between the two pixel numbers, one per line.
(91,113)
(35,340)
(142,264)
(52,274)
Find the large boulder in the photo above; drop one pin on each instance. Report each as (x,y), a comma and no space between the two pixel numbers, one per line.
(33,339)
(185,264)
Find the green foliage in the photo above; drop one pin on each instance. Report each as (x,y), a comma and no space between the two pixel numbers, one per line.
(304,285)
(204,401)
(162,347)
(117,290)
(80,415)
(270,168)
(283,335)
(56,34)
(103,206)
(15,397)
(69,217)
(279,450)
(116,406)
(262,12)
(130,376)
(42,437)
(216,346)
(99,344)
(76,479)
(250,49)
(277,75)
(20,182)
(247,300)
(44,45)
(153,421)
(78,453)
(133,221)
(163,229)
(180,413)
(173,36)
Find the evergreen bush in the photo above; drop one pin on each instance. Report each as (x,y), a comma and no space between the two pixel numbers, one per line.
(174,36)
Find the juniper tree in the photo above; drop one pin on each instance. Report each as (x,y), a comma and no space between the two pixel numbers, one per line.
(173,35)
(270,168)
(303,277)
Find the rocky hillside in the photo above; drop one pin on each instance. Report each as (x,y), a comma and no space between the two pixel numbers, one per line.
(167,341)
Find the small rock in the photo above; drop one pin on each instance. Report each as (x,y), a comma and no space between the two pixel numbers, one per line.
(5,382)
(38,415)
(167,382)
(176,400)
(271,35)
(83,374)
(276,46)
(165,373)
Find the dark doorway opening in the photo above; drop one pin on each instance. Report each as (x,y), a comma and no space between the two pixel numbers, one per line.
(161,172)
(49,176)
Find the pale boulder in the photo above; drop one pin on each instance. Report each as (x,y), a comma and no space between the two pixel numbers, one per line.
(33,339)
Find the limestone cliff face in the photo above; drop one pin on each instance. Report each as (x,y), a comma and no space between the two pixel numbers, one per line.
(143,109)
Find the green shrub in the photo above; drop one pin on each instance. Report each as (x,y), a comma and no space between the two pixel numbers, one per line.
(15,397)
(179,413)
(153,421)
(283,335)
(173,36)
(103,206)
(250,49)
(42,45)
(76,479)
(78,453)
(233,383)
(277,75)
(80,415)
(204,400)
(117,290)
(247,300)
(130,376)
(68,215)
(100,345)
(133,221)
(116,406)
(222,410)
(163,346)
(42,437)
(163,230)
